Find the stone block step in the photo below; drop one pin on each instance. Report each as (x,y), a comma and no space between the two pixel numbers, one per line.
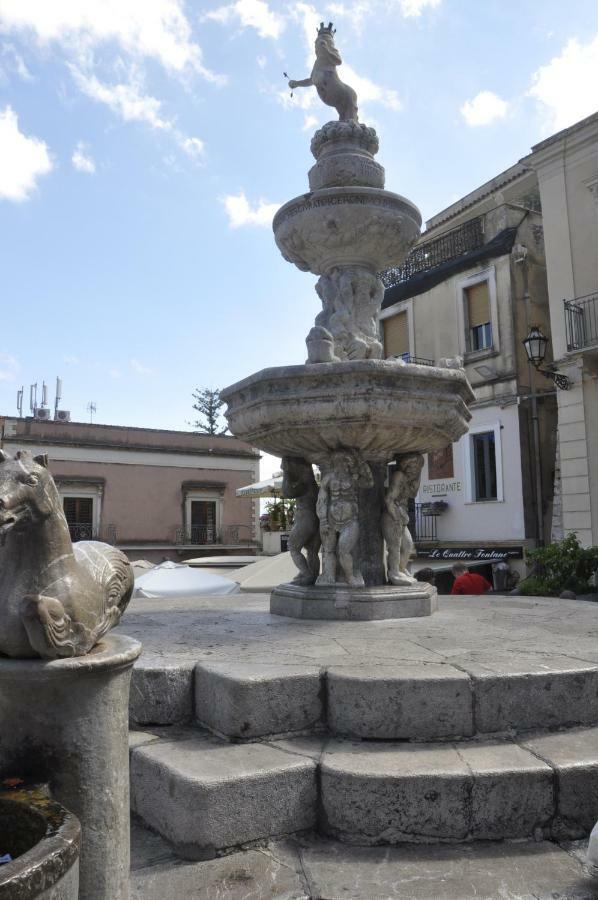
(206,795)
(203,794)
(410,701)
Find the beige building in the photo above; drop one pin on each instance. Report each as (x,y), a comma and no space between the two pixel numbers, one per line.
(566,166)
(155,494)
(472,287)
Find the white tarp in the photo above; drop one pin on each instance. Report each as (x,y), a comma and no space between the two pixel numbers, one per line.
(171,579)
(271,487)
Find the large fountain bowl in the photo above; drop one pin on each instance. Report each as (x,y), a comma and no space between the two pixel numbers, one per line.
(346,226)
(379,407)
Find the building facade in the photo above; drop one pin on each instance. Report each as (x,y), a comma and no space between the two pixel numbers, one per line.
(566,166)
(154,494)
(471,288)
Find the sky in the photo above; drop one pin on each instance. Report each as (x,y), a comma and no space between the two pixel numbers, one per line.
(146,144)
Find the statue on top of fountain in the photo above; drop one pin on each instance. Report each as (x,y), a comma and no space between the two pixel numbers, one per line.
(331,90)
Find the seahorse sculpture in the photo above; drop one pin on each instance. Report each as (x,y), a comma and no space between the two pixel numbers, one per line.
(56,599)
(324,77)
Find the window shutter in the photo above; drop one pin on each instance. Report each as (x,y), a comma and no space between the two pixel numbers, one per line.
(478,304)
(396,335)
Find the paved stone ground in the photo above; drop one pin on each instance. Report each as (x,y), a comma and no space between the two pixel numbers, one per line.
(310,868)
(499,631)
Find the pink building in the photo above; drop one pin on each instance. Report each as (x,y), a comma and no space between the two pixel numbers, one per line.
(155,494)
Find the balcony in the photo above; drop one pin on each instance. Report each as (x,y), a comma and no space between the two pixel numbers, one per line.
(418,360)
(447,247)
(86,532)
(422,525)
(207,535)
(581,322)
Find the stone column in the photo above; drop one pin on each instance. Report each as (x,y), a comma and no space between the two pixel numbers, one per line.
(370,549)
(65,721)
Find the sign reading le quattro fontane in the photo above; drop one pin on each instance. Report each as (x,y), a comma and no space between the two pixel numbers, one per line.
(491,554)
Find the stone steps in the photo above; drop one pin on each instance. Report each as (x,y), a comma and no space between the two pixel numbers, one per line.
(205,795)
(480,694)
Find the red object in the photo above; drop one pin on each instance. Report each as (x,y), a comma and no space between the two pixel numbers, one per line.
(471,583)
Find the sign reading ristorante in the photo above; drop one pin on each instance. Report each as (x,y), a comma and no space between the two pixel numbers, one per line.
(489,554)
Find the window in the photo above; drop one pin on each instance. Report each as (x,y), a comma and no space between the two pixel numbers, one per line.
(396,335)
(78,512)
(479,324)
(203,521)
(484,466)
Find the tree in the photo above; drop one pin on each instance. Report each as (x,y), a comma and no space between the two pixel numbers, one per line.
(208,404)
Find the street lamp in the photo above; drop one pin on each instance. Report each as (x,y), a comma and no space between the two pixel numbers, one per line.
(535,346)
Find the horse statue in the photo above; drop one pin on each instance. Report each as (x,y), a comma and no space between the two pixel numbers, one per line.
(331,90)
(56,599)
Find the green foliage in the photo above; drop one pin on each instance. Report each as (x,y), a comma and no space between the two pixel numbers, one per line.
(562,566)
(208,404)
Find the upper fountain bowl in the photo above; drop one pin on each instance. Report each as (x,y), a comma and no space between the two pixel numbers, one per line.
(379,407)
(346,226)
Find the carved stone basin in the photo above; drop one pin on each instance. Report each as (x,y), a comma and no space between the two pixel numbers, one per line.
(341,226)
(44,840)
(379,407)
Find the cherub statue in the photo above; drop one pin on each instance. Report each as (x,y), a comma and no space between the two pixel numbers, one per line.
(298,482)
(404,485)
(331,90)
(343,474)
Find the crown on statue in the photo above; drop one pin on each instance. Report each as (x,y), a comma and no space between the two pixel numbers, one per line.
(326,29)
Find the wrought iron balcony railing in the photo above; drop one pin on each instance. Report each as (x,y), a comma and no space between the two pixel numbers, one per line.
(85,532)
(422,526)
(581,322)
(449,246)
(208,534)
(419,360)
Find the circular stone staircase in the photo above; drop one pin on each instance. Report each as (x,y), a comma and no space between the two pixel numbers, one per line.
(478,724)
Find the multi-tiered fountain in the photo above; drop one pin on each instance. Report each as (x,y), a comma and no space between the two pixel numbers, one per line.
(347,410)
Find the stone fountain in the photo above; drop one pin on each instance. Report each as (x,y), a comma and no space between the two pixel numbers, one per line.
(348,410)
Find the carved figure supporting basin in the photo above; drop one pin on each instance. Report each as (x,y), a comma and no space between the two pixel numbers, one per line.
(347,410)
(55,599)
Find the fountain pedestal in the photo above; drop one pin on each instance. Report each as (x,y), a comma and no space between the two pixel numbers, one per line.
(65,722)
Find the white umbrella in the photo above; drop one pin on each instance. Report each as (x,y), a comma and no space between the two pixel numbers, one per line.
(271,487)
(170,580)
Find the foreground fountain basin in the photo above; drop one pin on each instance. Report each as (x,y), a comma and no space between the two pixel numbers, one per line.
(44,840)
(378,407)
(341,226)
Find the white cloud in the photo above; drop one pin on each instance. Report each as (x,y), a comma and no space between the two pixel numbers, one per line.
(9,367)
(370,92)
(262,61)
(12,61)
(22,159)
(138,367)
(414,8)
(240,212)
(124,99)
(309,122)
(250,14)
(158,29)
(566,89)
(192,146)
(71,360)
(81,159)
(484,108)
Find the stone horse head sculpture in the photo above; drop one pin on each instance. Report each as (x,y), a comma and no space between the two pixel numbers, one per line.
(56,599)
